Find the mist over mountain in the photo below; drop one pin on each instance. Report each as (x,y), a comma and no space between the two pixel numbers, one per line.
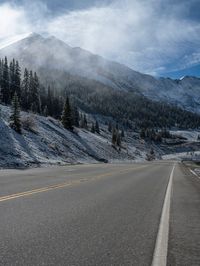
(56,62)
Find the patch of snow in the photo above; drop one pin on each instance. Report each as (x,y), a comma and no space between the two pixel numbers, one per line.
(190,135)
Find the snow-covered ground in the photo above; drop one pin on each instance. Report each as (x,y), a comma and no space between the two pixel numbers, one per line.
(190,135)
(48,143)
(183,156)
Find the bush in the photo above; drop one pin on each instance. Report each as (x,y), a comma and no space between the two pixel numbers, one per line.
(28,123)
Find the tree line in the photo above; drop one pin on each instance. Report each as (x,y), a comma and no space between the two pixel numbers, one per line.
(25,92)
(128,109)
(31,94)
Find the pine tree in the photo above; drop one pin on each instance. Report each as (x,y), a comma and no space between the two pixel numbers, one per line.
(12,78)
(17,79)
(76,117)
(67,115)
(34,96)
(97,127)
(5,83)
(93,128)
(15,122)
(85,121)
(114,136)
(110,126)
(45,111)
(50,101)
(122,133)
(118,139)
(25,98)
(142,133)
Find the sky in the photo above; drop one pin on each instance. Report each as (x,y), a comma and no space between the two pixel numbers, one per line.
(157,37)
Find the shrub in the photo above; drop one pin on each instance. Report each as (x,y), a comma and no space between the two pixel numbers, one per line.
(28,123)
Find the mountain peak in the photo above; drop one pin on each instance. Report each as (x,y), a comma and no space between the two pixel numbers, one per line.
(34,35)
(14,39)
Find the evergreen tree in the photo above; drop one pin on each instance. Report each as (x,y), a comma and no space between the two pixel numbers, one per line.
(45,111)
(5,83)
(15,122)
(25,98)
(34,97)
(122,133)
(114,136)
(17,78)
(93,128)
(142,133)
(67,115)
(110,126)
(50,101)
(76,117)
(12,78)
(84,123)
(118,139)
(97,127)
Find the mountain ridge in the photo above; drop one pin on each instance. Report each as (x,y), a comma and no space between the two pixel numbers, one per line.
(53,55)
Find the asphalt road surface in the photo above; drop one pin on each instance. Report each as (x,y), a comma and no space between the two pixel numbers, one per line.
(98,215)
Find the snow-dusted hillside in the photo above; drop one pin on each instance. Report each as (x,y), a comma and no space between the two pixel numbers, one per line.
(49,143)
(45,141)
(190,135)
(50,57)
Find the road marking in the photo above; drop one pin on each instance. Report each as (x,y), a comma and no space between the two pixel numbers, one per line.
(161,247)
(62,185)
(193,172)
(34,191)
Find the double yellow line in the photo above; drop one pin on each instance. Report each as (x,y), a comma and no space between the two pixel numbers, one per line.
(34,191)
(62,185)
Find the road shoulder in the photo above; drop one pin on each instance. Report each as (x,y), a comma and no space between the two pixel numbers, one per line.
(184,236)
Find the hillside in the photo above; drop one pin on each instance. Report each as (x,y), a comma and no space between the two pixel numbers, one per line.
(129,108)
(93,91)
(46,142)
(57,63)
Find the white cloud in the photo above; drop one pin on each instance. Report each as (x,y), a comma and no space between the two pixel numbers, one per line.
(12,21)
(138,33)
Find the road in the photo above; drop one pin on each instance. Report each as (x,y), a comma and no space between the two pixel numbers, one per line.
(98,215)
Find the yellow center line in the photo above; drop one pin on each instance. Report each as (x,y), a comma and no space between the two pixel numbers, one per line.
(62,185)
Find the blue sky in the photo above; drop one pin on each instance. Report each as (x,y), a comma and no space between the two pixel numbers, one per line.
(158,37)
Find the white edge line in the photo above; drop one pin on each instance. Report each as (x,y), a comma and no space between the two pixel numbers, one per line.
(193,172)
(161,247)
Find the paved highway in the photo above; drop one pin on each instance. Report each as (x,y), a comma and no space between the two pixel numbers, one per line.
(99,215)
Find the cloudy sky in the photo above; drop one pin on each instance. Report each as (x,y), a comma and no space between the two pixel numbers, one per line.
(159,37)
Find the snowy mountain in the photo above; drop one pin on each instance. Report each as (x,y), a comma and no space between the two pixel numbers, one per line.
(53,60)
